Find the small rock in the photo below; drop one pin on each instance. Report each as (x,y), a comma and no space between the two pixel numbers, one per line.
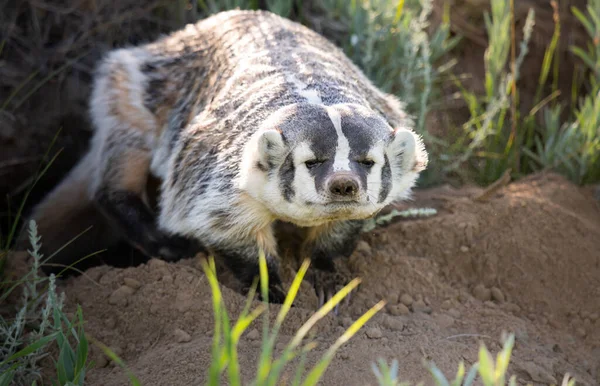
(446,304)
(132,283)
(489,304)
(394,324)
(443,320)
(374,333)
(420,306)
(464,248)
(181,336)
(344,355)
(167,279)
(120,295)
(594,316)
(364,248)
(537,373)
(253,334)
(498,295)
(463,296)
(101,362)
(399,309)
(584,314)
(581,332)
(280,346)
(406,299)
(481,293)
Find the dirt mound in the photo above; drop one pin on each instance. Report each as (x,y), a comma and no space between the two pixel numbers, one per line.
(526,261)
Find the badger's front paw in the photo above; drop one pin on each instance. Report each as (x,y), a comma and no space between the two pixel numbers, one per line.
(327,283)
(170,247)
(276,293)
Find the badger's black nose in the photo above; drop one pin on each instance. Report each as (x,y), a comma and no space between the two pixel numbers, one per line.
(343,185)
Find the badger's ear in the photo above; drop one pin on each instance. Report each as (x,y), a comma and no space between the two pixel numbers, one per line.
(271,149)
(406,150)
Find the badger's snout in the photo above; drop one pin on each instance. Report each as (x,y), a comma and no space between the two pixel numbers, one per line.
(343,186)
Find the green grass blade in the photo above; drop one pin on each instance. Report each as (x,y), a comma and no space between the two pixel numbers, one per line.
(486,366)
(217,363)
(42,342)
(317,372)
(116,359)
(292,293)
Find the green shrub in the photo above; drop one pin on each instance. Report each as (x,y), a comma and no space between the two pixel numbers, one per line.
(573,148)
(39,322)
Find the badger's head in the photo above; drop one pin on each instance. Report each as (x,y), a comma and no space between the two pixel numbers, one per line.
(309,164)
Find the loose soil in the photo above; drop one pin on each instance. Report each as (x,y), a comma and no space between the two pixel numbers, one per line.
(526,260)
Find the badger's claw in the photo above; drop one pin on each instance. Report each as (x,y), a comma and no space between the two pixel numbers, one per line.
(327,284)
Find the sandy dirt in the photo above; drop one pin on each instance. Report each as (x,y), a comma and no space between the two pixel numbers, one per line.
(525,261)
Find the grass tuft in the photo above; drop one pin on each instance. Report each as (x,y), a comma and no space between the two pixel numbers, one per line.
(270,369)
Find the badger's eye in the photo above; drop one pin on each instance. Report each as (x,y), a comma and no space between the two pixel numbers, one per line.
(313,163)
(367,163)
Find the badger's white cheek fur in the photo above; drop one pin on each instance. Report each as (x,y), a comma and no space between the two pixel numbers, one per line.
(374,183)
(304,182)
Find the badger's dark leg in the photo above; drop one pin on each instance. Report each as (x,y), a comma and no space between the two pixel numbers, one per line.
(326,243)
(243,263)
(127,133)
(137,222)
(241,255)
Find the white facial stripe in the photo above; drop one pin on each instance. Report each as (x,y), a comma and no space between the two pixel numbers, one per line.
(374,177)
(342,151)
(311,96)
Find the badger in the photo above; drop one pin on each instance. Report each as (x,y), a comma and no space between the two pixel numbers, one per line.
(246,119)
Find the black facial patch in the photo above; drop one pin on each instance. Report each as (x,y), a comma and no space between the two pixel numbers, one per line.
(320,174)
(362,173)
(286,178)
(386,180)
(311,124)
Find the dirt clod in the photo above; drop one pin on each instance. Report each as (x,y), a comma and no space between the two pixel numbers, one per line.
(497,294)
(420,306)
(374,333)
(253,334)
(181,336)
(120,296)
(480,292)
(446,304)
(394,324)
(406,299)
(443,320)
(364,248)
(132,283)
(399,309)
